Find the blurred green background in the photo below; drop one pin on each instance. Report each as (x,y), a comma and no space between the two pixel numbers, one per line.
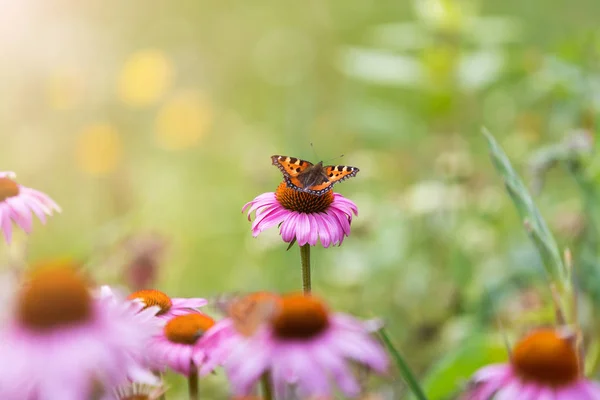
(152,123)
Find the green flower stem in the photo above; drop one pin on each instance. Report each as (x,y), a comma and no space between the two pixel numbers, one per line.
(405,370)
(193,383)
(305,258)
(267,389)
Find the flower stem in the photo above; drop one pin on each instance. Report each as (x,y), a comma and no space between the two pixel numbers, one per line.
(267,390)
(405,370)
(193,383)
(305,258)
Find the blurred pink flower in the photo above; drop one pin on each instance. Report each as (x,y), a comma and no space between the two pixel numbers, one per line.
(246,315)
(17,202)
(304,345)
(60,340)
(180,345)
(544,365)
(169,307)
(303,216)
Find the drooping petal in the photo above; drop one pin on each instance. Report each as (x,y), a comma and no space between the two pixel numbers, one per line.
(194,302)
(20,213)
(302,229)
(322,222)
(287,230)
(313,229)
(6,223)
(339,370)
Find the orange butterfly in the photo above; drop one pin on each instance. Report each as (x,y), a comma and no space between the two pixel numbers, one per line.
(311,178)
(249,312)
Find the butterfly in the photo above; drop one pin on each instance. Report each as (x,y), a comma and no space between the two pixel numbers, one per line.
(249,312)
(305,176)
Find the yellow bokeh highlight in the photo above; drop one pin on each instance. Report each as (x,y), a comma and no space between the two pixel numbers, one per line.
(183,120)
(99,149)
(145,77)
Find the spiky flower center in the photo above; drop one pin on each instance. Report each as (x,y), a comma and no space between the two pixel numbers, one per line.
(136,397)
(8,188)
(295,200)
(547,358)
(151,297)
(53,296)
(250,312)
(300,317)
(188,328)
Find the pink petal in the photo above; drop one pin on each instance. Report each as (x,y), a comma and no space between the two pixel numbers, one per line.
(6,223)
(302,229)
(21,214)
(287,230)
(313,230)
(269,218)
(335,364)
(324,233)
(193,302)
(342,220)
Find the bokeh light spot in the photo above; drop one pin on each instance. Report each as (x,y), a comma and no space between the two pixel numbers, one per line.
(183,120)
(99,149)
(145,77)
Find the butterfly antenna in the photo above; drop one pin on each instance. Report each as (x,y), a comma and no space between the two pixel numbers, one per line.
(314,151)
(334,158)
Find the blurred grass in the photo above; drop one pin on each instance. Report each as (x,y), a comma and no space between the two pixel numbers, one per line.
(162,118)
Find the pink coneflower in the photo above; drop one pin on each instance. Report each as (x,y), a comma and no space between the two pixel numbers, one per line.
(543,365)
(169,307)
(246,315)
(61,340)
(17,202)
(180,346)
(303,216)
(302,347)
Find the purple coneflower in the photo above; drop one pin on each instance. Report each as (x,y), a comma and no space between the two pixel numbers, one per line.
(169,307)
(246,315)
(182,344)
(17,202)
(302,347)
(60,340)
(304,217)
(543,365)
(180,347)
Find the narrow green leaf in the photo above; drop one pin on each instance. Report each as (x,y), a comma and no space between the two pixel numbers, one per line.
(405,370)
(458,365)
(536,226)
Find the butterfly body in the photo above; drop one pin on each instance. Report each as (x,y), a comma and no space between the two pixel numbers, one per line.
(311,178)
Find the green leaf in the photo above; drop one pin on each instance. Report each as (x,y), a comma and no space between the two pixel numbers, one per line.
(403,367)
(453,371)
(535,225)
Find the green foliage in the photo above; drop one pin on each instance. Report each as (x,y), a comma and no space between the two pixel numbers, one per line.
(456,366)
(532,219)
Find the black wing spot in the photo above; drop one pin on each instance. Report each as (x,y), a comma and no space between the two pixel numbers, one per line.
(293,160)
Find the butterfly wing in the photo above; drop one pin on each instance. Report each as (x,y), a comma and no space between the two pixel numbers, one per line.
(250,312)
(291,167)
(335,174)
